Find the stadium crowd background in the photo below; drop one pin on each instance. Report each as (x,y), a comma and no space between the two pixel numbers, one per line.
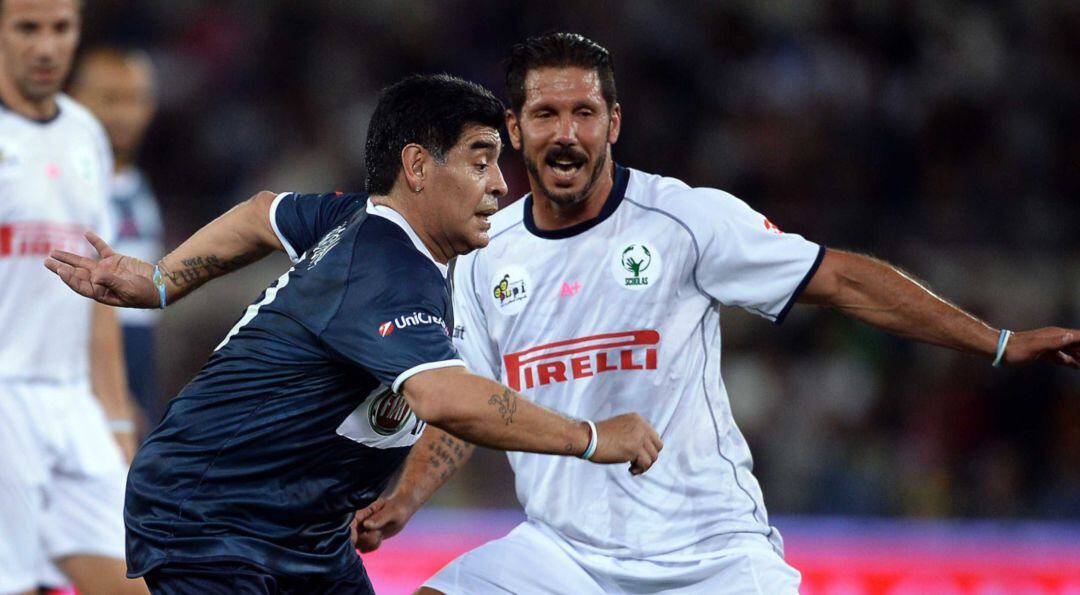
(942,136)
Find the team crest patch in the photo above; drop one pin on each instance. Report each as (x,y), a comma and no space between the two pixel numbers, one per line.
(510,290)
(636,266)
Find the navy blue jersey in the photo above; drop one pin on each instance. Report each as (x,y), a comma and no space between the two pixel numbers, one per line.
(292,424)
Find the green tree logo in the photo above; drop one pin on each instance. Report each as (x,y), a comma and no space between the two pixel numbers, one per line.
(636,259)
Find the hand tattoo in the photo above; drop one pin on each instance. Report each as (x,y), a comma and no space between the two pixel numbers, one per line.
(507,403)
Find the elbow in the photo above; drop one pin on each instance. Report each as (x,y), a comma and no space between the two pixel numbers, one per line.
(426,405)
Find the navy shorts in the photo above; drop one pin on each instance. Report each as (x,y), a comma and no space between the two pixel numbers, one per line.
(231,578)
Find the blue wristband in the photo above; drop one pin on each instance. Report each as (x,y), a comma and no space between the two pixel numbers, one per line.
(160,285)
(1003,342)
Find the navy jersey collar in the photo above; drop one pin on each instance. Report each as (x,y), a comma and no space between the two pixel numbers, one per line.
(618,190)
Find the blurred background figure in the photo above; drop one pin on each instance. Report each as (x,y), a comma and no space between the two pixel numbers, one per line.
(66,428)
(117,85)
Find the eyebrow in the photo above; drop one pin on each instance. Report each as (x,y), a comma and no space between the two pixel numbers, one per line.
(482,145)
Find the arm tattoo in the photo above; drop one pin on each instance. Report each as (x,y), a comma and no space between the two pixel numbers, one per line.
(445,456)
(507,403)
(203,268)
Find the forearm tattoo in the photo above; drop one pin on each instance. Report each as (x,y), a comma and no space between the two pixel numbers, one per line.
(199,269)
(507,404)
(445,456)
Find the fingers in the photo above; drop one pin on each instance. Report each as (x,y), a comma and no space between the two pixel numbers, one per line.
(1065,359)
(79,262)
(99,244)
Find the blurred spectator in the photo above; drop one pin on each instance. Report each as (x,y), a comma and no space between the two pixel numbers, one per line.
(118,87)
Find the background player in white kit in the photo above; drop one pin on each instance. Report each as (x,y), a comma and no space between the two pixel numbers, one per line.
(118,86)
(61,472)
(608,281)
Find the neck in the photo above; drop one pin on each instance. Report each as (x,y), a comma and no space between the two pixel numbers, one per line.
(41,109)
(551,215)
(404,203)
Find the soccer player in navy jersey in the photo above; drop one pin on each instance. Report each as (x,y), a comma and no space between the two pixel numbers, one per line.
(311,402)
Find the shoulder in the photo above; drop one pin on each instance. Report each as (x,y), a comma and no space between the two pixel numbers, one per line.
(693,207)
(79,117)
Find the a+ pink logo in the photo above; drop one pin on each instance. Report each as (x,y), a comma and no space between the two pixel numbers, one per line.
(569,290)
(52,171)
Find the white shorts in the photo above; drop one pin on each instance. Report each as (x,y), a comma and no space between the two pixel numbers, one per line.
(62,482)
(532,559)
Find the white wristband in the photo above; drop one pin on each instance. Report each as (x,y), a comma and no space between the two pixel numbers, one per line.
(590,450)
(121,426)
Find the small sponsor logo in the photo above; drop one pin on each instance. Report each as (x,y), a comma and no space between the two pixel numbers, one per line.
(459,332)
(636,266)
(563,361)
(388,413)
(569,290)
(769,225)
(407,320)
(510,290)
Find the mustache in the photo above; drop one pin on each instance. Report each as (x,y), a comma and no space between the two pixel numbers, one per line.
(565,153)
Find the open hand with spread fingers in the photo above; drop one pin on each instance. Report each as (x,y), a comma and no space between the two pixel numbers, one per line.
(114,279)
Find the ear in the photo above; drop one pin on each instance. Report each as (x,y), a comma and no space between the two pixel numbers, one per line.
(413,163)
(513,129)
(615,124)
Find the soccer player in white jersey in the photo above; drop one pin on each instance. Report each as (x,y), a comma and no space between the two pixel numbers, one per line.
(61,470)
(599,293)
(118,86)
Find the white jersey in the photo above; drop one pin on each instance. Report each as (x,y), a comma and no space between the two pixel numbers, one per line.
(54,178)
(621,314)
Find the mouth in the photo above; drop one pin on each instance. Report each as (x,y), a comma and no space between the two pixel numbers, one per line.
(564,164)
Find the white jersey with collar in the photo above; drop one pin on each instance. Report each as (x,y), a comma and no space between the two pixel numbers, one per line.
(54,185)
(621,314)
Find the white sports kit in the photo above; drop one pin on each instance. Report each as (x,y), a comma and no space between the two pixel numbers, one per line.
(620,314)
(61,472)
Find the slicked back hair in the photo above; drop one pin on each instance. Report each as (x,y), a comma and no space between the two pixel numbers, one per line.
(429,110)
(558,50)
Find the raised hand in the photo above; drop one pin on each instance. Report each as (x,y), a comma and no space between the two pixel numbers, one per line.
(1052,344)
(627,437)
(114,279)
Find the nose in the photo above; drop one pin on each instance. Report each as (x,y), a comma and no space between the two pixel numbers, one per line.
(566,134)
(498,187)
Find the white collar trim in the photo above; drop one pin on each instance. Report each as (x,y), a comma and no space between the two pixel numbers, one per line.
(395,217)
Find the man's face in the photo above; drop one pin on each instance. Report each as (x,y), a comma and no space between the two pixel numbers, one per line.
(120,92)
(465,190)
(564,132)
(37,42)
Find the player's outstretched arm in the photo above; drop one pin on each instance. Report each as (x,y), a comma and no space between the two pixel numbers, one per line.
(879,294)
(487,413)
(234,240)
(434,459)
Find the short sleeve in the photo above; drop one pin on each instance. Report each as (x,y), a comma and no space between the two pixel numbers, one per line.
(392,324)
(300,220)
(470,325)
(747,261)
